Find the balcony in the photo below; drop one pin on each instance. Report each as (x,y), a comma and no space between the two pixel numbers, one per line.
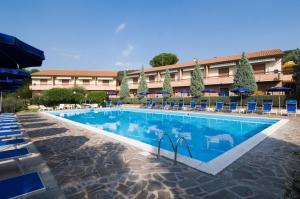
(41,87)
(217,80)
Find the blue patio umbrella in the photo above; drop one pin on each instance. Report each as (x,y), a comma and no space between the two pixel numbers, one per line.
(15,53)
(162,92)
(146,93)
(6,73)
(279,89)
(210,90)
(182,91)
(241,91)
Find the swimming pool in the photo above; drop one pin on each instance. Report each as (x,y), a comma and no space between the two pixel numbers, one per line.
(209,136)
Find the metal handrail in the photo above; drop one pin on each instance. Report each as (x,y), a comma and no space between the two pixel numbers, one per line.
(159,142)
(176,148)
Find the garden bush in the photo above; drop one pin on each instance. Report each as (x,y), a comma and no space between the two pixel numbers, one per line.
(56,96)
(12,104)
(96,97)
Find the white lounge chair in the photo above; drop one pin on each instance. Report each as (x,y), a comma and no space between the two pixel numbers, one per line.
(44,108)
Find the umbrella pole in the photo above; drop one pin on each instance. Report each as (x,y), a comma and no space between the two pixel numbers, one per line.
(1,102)
(279,103)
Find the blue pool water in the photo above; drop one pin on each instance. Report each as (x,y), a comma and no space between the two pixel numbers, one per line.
(208,135)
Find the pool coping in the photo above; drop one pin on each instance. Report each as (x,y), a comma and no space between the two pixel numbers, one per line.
(212,167)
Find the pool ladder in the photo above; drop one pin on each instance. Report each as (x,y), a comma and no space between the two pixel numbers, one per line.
(174,147)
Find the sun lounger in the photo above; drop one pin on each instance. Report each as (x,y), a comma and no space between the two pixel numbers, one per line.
(119,103)
(267,106)
(251,105)
(219,105)
(291,107)
(233,105)
(44,108)
(192,104)
(164,104)
(12,142)
(203,105)
(172,104)
(153,104)
(180,105)
(13,154)
(21,186)
(8,124)
(108,103)
(147,105)
(7,134)
(8,128)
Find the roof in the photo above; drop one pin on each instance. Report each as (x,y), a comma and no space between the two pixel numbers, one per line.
(215,60)
(84,73)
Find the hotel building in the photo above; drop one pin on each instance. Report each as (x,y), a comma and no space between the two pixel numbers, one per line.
(89,80)
(218,73)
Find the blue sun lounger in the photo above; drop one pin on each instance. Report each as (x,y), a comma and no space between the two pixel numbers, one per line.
(291,107)
(233,105)
(119,103)
(219,105)
(12,142)
(108,103)
(192,104)
(267,106)
(13,154)
(8,124)
(147,105)
(7,134)
(251,105)
(21,186)
(153,104)
(180,105)
(9,128)
(172,104)
(203,105)
(164,104)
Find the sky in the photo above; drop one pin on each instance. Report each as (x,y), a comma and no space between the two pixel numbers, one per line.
(126,34)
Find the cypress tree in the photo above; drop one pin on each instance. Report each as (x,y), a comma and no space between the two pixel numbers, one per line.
(244,76)
(142,83)
(197,84)
(167,84)
(124,89)
(296,75)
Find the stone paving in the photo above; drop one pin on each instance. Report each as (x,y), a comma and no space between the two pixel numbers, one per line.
(90,165)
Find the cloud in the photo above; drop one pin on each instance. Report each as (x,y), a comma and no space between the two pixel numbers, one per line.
(67,54)
(120,27)
(128,50)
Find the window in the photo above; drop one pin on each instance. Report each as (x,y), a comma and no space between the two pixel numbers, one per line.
(86,82)
(135,80)
(152,78)
(259,68)
(105,82)
(43,82)
(224,92)
(65,82)
(172,75)
(224,72)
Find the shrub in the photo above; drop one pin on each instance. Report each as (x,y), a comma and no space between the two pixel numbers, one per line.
(57,96)
(12,104)
(96,97)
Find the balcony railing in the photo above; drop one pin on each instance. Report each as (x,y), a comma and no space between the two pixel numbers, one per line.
(87,87)
(215,80)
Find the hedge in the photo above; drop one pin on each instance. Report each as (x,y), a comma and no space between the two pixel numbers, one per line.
(259,98)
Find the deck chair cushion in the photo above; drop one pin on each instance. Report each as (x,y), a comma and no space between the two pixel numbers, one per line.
(10,134)
(12,142)
(13,153)
(21,186)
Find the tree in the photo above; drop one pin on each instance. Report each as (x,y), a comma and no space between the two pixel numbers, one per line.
(96,97)
(197,84)
(296,76)
(167,84)
(142,83)
(163,59)
(244,76)
(124,89)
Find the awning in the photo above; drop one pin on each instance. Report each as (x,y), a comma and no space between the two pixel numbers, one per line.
(150,74)
(85,78)
(40,77)
(63,78)
(105,78)
(171,71)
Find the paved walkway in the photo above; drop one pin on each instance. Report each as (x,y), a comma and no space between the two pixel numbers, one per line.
(90,165)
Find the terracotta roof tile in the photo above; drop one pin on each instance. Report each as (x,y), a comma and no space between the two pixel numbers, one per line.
(82,73)
(215,60)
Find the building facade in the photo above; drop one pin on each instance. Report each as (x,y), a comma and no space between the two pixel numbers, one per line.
(218,73)
(87,79)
